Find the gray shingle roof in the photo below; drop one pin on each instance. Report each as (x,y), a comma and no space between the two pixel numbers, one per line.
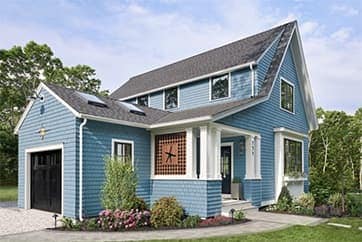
(155,116)
(230,55)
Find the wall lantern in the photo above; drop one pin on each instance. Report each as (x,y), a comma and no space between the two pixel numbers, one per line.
(42,132)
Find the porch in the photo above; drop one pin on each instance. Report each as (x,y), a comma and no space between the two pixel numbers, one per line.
(216,156)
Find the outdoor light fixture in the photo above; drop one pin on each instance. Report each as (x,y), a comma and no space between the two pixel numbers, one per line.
(42,132)
(55,216)
(232,211)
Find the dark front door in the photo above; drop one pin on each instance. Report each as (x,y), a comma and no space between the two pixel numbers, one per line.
(46,180)
(226,169)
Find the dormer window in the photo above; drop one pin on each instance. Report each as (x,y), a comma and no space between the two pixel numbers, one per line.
(171,98)
(286,95)
(143,100)
(220,87)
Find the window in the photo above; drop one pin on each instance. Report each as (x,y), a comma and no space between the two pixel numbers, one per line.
(220,87)
(143,100)
(123,150)
(171,98)
(287,96)
(293,157)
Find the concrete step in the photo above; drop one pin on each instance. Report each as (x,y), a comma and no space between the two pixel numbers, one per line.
(229,204)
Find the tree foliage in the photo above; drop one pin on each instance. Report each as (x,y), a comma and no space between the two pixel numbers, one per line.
(21,71)
(335,154)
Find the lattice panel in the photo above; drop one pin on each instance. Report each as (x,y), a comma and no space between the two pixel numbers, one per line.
(170,154)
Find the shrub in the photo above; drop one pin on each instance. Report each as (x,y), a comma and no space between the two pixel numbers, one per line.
(298,209)
(90,224)
(285,197)
(191,221)
(306,200)
(354,204)
(239,215)
(283,204)
(109,220)
(119,188)
(68,223)
(166,212)
(335,200)
(136,203)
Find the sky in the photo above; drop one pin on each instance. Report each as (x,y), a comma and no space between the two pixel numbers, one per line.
(120,39)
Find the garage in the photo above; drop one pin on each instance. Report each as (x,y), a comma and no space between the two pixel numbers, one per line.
(46,182)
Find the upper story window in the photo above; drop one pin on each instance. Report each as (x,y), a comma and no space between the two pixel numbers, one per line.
(143,100)
(287,96)
(171,98)
(220,87)
(293,157)
(122,150)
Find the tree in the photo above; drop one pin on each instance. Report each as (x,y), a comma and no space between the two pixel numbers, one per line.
(21,71)
(335,154)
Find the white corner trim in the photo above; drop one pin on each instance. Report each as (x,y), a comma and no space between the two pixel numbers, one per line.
(191,80)
(131,142)
(290,132)
(282,79)
(81,168)
(27,172)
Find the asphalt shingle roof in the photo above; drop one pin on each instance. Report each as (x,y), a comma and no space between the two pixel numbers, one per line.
(156,116)
(230,55)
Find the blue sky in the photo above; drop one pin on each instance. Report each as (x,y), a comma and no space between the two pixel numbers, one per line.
(124,38)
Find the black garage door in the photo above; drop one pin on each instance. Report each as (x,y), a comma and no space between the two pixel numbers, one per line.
(46,180)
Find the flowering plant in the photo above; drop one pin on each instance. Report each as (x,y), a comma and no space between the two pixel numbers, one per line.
(116,220)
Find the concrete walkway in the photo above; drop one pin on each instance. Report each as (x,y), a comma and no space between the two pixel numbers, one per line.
(261,222)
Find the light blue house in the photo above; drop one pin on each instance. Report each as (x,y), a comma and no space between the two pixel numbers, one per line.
(238,113)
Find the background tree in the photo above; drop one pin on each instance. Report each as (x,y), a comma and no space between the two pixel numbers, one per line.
(335,154)
(21,71)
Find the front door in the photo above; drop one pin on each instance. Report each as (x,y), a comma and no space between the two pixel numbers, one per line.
(46,180)
(226,168)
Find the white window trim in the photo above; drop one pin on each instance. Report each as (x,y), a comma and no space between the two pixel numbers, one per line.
(282,79)
(229,88)
(280,178)
(231,144)
(126,142)
(27,173)
(148,99)
(164,99)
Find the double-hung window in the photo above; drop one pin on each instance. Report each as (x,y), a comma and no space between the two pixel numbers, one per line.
(287,96)
(123,150)
(171,98)
(220,86)
(143,100)
(293,157)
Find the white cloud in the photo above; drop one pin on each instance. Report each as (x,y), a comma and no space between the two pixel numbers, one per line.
(344,10)
(342,34)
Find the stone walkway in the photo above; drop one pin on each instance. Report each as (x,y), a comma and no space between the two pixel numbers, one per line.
(261,222)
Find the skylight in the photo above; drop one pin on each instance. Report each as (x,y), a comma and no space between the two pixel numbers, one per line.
(132,108)
(92,100)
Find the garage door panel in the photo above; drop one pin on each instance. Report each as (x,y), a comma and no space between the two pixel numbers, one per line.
(46,180)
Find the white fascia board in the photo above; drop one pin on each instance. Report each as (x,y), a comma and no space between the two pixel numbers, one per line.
(115,121)
(290,132)
(190,80)
(181,122)
(30,104)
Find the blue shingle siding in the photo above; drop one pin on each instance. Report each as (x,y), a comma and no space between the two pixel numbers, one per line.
(241,84)
(253,192)
(264,64)
(96,145)
(194,94)
(156,100)
(196,196)
(61,129)
(263,118)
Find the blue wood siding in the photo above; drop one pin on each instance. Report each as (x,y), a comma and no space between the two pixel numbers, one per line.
(264,64)
(61,129)
(156,100)
(196,196)
(266,116)
(96,145)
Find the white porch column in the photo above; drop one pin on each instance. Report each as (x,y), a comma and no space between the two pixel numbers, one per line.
(203,151)
(217,153)
(257,157)
(252,148)
(190,153)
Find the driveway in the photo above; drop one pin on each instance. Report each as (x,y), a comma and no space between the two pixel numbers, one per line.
(14,220)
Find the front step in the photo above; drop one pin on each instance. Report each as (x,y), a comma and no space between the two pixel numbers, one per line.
(228,204)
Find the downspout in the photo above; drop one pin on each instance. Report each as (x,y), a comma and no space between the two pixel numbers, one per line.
(252,80)
(81,169)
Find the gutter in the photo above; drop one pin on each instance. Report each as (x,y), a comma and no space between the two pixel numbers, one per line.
(252,80)
(81,168)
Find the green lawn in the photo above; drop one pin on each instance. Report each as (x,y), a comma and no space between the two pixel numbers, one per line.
(8,193)
(318,233)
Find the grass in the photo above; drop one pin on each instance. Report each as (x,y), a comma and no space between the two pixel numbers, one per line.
(320,233)
(8,193)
